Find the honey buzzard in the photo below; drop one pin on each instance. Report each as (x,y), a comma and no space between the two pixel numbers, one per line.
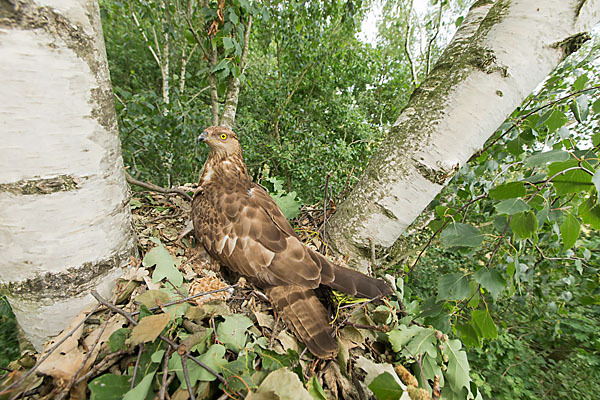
(240,225)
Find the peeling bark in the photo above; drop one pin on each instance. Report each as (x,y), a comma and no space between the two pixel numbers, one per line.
(501,52)
(65,223)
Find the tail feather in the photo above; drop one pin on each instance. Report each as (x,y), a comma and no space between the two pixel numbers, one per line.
(306,317)
(350,281)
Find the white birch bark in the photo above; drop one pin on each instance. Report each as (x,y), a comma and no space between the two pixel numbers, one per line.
(501,52)
(65,223)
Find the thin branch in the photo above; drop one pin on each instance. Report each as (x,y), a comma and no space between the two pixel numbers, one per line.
(156,188)
(164,382)
(187,376)
(184,300)
(165,339)
(437,32)
(156,57)
(413,71)
(137,364)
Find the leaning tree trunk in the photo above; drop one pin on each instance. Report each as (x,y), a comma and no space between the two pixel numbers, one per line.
(65,223)
(501,52)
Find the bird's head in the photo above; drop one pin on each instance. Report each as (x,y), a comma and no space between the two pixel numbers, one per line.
(220,140)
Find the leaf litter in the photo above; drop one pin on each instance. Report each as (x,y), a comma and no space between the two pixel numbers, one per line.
(176,328)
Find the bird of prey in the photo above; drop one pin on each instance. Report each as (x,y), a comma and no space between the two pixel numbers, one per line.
(241,226)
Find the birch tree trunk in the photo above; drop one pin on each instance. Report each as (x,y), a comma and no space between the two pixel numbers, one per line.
(65,223)
(501,52)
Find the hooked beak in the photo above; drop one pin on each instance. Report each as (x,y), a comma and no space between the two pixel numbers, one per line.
(202,137)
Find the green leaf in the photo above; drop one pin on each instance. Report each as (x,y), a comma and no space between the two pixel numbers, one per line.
(461,235)
(221,65)
(483,324)
(572,180)
(214,358)
(109,387)
(580,82)
(165,264)
(228,44)
(315,389)
(556,120)
(524,224)
(468,335)
(272,361)
(569,230)
(457,373)
(232,332)
(596,106)
(141,390)
(508,191)
(385,387)
(580,108)
(403,335)
(453,287)
(117,339)
(512,206)
(288,204)
(596,180)
(491,280)
(589,212)
(547,157)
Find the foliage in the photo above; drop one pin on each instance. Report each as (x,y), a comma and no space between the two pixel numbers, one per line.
(9,345)
(522,216)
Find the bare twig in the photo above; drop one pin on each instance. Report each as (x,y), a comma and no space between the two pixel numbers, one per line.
(187,376)
(164,384)
(137,364)
(165,339)
(418,360)
(184,300)
(41,360)
(106,363)
(156,188)
(430,44)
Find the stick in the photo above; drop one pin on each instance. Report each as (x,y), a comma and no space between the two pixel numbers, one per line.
(161,337)
(156,188)
(188,298)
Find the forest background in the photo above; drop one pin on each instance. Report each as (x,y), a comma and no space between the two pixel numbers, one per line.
(510,268)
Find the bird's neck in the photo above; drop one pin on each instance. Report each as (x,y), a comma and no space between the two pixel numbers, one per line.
(223,167)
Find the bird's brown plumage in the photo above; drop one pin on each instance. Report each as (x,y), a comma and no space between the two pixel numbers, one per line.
(240,225)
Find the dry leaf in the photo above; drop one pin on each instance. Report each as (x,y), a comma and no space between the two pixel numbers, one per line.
(149,328)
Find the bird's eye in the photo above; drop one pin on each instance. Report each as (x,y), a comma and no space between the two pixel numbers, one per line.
(223,136)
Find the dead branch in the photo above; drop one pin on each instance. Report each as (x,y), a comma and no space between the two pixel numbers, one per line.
(132,181)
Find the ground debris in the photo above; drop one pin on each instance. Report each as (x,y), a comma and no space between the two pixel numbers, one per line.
(175,320)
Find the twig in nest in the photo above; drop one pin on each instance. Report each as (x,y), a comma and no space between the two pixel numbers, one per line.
(184,300)
(156,188)
(165,339)
(165,377)
(103,365)
(41,360)
(137,364)
(187,376)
